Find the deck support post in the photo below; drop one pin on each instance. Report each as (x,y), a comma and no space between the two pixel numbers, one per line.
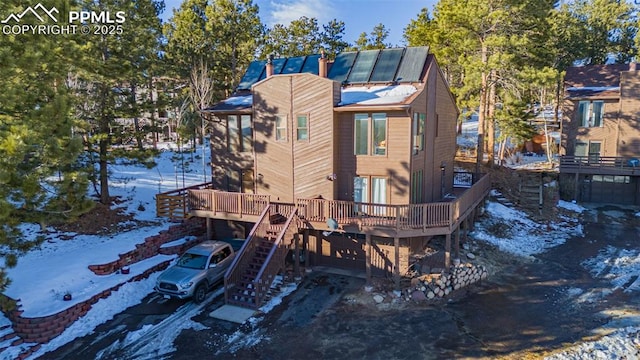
(367,249)
(447,253)
(576,187)
(456,246)
(396,262)
(209,222)
(296,255)
(305,246)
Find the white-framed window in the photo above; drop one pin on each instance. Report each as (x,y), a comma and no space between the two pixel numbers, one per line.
(370,134)
(591,113)
(281,128)
(302,129)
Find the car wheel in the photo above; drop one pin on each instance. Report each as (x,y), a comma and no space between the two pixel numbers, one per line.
(200,293)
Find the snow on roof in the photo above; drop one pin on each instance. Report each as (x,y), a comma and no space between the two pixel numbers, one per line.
(246,100)
(376,95)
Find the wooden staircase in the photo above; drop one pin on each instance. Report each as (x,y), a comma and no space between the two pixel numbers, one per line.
(262,257)
(530,190)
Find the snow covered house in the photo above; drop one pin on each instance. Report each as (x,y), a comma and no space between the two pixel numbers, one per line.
(601,134)
(348,162)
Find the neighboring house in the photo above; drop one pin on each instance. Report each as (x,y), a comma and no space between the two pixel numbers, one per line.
(601,134)
(351,161)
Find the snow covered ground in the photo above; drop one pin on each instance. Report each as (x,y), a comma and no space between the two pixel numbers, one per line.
(46,273)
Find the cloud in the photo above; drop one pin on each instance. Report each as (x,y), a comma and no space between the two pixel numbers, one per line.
(284,11)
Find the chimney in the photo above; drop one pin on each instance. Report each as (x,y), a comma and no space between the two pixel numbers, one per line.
(322,65)
(270,65)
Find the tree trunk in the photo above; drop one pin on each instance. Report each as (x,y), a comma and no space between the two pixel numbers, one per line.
(481,110)
(136,119)
(490,120)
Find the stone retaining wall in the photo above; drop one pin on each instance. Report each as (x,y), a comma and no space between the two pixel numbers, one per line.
(431,286)
(151,246)
(42,329)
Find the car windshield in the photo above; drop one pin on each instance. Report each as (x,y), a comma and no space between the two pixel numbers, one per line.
(192,261)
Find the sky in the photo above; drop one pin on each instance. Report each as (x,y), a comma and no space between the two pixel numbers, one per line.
(44,274)
(358,15)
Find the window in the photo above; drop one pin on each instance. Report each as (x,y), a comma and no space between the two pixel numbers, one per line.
(233,135)
(247,181)
(377,122)
(380,133)
(239,135)
(361,133)
(370,189)
(233,180)
(281,128)
(417,184)
(247,133)
(594,151)
(581,149)
(302,132)
(591,113)
(418,131)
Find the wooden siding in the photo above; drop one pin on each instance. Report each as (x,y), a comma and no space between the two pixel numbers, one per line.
(629,130)
(447,118)
(440,134)
(222,160)
(394,165)
(620,133)
(286,169)
(573,132)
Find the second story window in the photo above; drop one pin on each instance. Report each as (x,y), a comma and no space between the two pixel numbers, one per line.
(302,131)
(233,134)
(379,135)
(370,142)
(417,129)
(239,133)
(247,133)
(590,113)
(281,128)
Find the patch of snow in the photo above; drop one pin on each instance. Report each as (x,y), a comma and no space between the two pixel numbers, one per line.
(623,344)
(519,235)
(620,266)
(376,95)
(240,100)
(572,206)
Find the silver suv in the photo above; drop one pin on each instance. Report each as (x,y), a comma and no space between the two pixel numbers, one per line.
(196,270)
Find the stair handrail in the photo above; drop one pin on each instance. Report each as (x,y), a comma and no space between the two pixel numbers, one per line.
(248,242)
(258,279)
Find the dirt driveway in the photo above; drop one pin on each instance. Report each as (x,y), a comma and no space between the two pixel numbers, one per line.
(526,309)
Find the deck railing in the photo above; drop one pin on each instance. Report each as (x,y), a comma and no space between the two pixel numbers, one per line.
(399,217)
(591,162)
(227,202)
(173,204)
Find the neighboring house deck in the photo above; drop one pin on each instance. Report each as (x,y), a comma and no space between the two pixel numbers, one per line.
(601,134)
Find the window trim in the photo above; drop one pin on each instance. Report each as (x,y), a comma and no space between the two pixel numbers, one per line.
(298,128)
(586,116)
(283,120)
(417,128)
(369,134)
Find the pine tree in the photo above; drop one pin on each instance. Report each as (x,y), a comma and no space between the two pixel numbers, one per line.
(39,176)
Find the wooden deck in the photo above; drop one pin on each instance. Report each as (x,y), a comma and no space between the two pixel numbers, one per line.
(368,218)
(599,165)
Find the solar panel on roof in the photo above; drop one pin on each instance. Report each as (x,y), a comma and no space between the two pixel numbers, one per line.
(311,64)
(293,65)
(251,76)
(363,66)
(278,64)
(387,65)
(341,66)
(412,64)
